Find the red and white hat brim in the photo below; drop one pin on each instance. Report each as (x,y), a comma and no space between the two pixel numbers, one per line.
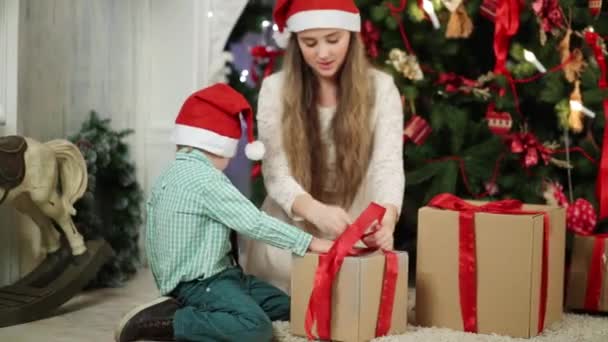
(315,19)
(205,140)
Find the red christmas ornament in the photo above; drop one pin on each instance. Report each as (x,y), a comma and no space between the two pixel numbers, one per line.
(499,123)
(416,130)
(581,217)
(550,14)
(595,6)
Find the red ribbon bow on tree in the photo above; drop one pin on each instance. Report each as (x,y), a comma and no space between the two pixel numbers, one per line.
(370,35)
(319,305)
(454,83)
(468,259)
(263,55)
(549,13)
(530,147)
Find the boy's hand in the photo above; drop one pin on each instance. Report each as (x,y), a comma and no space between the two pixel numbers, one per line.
(330,220)
(320,245)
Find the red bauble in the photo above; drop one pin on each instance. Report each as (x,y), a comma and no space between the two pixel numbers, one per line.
(499,122)
(581,217)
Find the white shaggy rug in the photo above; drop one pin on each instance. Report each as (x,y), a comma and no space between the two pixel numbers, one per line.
(573,328)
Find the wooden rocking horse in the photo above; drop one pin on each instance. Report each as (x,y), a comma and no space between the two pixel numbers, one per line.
(43,181)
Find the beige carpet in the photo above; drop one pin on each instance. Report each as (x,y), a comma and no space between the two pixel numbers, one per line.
(92,316)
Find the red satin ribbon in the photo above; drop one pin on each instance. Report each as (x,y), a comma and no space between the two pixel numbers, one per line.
(595,275)
(593,39)
(319,305)
(467,276)
(506,25)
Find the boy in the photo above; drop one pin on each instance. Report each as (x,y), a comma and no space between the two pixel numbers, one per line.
(191,211)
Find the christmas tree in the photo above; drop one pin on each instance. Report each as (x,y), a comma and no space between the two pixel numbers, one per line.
(502,99)
(492,92)
(111,208)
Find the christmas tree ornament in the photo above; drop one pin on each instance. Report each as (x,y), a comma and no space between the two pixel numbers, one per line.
(459,24)
(575,119)
(549,15)
(405,64)
(530,148)
(580,215)
(595,6)
(499,123)
(416,130)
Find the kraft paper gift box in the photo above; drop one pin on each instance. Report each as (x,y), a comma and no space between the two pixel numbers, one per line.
(503,292)
(355,294)
(587,280)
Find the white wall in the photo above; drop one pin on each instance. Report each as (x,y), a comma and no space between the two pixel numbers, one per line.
(132,61)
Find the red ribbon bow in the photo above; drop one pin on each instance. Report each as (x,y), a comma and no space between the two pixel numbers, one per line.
(370,35)
(319,305)
(550,14)
(454,83)
(593,39)
(263,54)
(468,260)
(530,147)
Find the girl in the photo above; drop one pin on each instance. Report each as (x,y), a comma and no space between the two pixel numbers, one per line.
(332,126)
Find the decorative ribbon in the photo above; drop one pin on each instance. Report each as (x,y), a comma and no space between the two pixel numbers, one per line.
(506,25)
(454,83)
(467,277)
(319,305)
(596,273)
(395,12)
(260,52)
(593,40)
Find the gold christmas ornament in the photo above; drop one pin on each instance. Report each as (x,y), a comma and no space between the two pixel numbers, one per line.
(405,64)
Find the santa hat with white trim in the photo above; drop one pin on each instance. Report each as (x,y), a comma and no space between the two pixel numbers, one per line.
(210,120)
(300,15)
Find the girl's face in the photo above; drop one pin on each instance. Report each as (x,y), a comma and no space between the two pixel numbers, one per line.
(324,50)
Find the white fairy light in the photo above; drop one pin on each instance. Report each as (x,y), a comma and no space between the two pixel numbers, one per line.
(245,73)
(427,5)
(275,27)
(266,23)
(243,79)
(531,57)
(210,14)
(578,106)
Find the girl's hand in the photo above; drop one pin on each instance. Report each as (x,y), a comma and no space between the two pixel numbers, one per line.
(383,237)
(320,245)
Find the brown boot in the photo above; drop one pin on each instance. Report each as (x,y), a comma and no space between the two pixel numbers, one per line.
(151,321)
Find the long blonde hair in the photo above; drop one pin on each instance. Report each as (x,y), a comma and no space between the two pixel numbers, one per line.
(350,127)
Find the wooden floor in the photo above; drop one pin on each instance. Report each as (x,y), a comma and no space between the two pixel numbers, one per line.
(90,316)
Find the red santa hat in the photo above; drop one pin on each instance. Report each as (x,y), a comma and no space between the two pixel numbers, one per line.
(300,15)
(210,120)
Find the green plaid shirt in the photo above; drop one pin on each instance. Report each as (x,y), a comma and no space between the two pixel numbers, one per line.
(190,212)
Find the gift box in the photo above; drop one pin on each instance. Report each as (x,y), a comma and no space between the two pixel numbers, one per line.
(587,281)
(493,268)
(351,295)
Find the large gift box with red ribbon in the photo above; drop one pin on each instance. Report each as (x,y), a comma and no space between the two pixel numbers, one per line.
(587,279)
(493,268)
(350,294)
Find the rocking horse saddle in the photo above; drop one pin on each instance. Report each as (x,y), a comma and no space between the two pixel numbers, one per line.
(12,163)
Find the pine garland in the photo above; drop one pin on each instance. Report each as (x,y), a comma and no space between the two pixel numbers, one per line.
(111,207)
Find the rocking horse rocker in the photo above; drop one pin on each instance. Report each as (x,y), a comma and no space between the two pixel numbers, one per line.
(43,181)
